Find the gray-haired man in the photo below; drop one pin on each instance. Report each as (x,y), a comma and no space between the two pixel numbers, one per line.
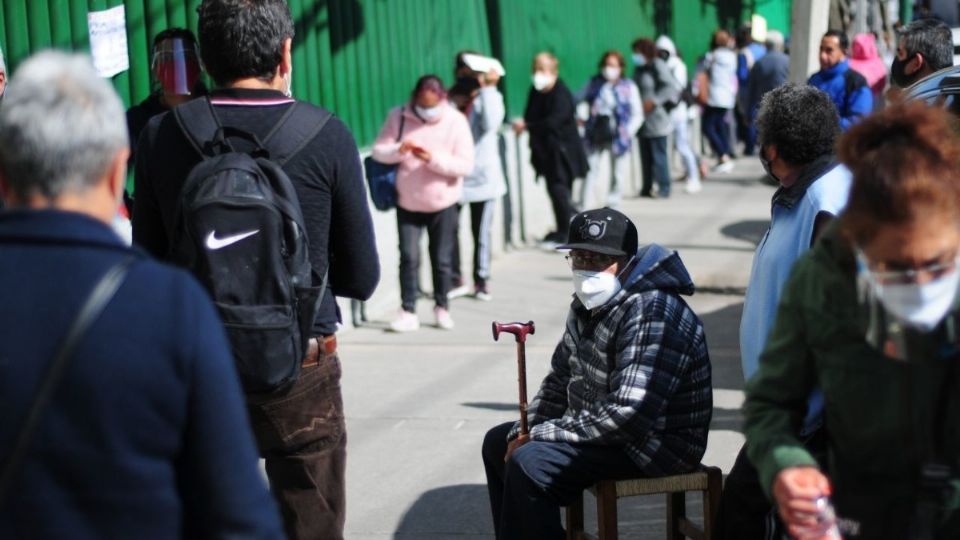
(145,436)
(923,47)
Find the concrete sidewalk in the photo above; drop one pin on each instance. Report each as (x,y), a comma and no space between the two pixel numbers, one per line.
(419,404)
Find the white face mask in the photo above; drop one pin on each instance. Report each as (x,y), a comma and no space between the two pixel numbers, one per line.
(639,59)
(428,113)
(542,81)
(595,289)
(611,73)
(921,306)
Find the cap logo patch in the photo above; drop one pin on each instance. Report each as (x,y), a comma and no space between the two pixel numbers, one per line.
(593,230)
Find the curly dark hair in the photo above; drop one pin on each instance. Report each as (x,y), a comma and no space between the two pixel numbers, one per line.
(241,39)
(800,120)
(905,162)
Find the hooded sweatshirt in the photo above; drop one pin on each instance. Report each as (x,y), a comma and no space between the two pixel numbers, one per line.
(866,61)
(633,373)
(678,70)
(438,184)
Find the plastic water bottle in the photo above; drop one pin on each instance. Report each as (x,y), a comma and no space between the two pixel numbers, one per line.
(826,527)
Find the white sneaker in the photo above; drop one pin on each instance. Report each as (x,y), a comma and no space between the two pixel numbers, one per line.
(483,295)
(693,186)
(444,320)
(724,168)
(457,292)
(405,322)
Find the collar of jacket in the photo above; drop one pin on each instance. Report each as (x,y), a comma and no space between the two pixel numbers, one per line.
(57,227)
(248,94)
(838,69)
(787,197)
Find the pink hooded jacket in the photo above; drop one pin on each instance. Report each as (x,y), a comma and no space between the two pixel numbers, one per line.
(433,186)
(867,62)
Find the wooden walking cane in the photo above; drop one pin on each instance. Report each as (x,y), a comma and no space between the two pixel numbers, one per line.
(519,331)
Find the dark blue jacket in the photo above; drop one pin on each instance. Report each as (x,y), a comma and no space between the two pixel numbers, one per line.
(849,93)
(146,435)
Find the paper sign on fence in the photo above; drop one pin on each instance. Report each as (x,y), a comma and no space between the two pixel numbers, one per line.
(108,41)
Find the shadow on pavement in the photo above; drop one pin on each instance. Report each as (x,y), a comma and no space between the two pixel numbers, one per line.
(461,511)
(723,340)
(751,230)
(491,406)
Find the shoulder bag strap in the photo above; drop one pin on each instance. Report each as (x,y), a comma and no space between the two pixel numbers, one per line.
(94,305)
(403,120)
(295,129)
(199,123)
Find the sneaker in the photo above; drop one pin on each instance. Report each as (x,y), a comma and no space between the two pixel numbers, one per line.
(482,294)
(724,167)
(693,186)
(444,320)
(457,292)
(405,322)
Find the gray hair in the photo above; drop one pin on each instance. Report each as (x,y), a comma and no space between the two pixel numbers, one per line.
(932,39)
(60,126)
(774,41)
(800,120)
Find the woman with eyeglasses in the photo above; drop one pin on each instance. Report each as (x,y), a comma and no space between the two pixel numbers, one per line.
(870,317)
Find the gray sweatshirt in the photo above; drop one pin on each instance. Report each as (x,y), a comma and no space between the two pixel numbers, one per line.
(656,84)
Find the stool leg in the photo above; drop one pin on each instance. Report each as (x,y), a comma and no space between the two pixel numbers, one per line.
(711,501)
(575,519)
(607,509)
(676,512)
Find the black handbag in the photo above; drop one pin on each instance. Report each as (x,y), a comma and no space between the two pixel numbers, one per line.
(601,133)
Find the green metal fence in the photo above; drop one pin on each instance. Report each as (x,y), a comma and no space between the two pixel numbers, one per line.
(361,57)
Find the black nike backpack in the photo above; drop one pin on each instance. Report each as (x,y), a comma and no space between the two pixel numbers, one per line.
(239,228)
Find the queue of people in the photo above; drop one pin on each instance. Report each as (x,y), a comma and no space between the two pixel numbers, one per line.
(849,333)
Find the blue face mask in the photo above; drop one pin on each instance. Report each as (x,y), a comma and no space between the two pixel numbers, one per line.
(639,59)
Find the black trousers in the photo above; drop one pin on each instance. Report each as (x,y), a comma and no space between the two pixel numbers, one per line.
(441,227)
(560,192)
(526,493)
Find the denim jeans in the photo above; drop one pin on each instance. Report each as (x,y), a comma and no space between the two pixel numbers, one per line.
(481,224)
(717,131)
(441,227)
(653,156)
(302,436)
(526,493)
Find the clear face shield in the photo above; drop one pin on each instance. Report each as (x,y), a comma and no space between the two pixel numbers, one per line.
(176,65)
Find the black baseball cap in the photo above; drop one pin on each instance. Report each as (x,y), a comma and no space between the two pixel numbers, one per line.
(603,231)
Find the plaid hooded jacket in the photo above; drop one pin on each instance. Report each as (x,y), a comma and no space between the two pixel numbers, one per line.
(635,372)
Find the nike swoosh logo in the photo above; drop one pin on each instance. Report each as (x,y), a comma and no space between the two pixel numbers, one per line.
(217,243)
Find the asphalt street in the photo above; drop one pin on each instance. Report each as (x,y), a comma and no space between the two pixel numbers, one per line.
(418,404)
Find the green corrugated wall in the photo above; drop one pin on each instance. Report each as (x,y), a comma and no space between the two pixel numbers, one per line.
(361,57)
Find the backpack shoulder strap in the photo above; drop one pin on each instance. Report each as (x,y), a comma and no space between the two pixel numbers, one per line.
(295,129)
(199,123)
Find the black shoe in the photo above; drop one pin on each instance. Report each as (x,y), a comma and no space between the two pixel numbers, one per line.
(648,195)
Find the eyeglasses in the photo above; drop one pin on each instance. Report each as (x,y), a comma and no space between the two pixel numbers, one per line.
(905,276)
(591,261)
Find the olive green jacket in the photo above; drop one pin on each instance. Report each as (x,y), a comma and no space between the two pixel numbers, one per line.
(879,412)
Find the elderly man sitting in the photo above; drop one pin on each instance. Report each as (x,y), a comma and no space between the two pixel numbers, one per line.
(629,391)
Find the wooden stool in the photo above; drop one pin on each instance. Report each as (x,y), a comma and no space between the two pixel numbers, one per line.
(709,480)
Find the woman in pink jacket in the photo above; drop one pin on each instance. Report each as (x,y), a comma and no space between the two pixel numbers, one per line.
(431,142)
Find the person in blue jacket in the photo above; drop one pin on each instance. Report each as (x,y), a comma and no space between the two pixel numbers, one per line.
(145,434)
(847,88)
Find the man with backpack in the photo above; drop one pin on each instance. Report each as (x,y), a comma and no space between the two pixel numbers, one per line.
(847,88)
(262,197)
